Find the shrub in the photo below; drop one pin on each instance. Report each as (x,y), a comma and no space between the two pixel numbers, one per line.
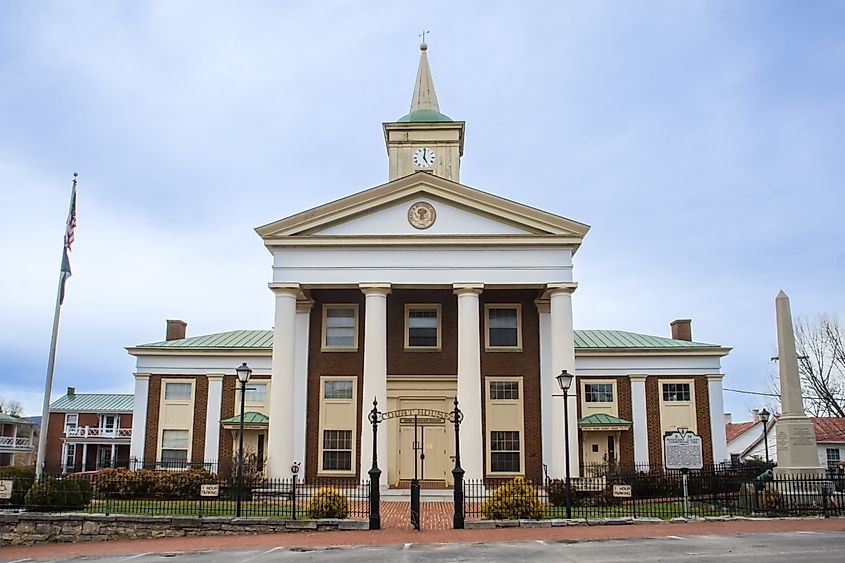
(51,494)
(122,483)
(328,503)
(22,478)
(513,500)
(557,492)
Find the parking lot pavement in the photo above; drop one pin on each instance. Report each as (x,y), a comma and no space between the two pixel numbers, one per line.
(335,542)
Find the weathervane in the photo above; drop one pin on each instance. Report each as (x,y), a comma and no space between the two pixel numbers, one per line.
(423,35)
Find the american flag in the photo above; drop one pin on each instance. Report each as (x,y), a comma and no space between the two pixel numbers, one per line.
(69,236)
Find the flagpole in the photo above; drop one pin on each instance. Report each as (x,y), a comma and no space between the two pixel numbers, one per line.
(51,361)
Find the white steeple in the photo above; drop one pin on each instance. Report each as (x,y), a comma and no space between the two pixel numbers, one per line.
(424,95)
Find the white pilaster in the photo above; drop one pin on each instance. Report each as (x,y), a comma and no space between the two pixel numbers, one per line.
(563,358)
(469,379)
(212,417)
(717,418)
(639,415)
(375,373)
(548,385)
(139,420)
(280,431)
(300,382)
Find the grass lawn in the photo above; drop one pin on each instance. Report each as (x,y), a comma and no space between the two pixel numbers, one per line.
(153,507)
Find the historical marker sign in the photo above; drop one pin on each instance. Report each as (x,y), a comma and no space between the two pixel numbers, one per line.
(6,489)
(208,490)
(683,450)
(622,491)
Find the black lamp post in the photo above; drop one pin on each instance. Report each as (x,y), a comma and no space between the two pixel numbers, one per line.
(764,417)
(565,381)
(243,376)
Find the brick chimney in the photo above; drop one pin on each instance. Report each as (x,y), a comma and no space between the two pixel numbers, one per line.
(682,329)
(176,329)
(71,391)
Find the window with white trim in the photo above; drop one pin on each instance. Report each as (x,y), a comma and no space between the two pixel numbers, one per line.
(255,393)
(503,390)
(337,389)
(504,452)
(598,392)
(108,422)
(422,326)
(832,456)
(70,456)
(676,392)
(174,446)
(71,422)
(177,391)
(337,450)
(340,327)
(503,327)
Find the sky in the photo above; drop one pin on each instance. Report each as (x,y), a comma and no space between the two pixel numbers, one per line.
(701,141)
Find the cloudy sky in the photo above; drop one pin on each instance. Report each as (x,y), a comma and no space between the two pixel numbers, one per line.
(702,141)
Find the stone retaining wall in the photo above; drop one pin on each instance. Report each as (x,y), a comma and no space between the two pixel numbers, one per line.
(28,528)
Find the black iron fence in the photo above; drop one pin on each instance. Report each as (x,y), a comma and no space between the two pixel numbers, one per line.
(659,494)
(192,492)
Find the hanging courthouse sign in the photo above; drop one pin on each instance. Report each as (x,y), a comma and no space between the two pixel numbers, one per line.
(683,450)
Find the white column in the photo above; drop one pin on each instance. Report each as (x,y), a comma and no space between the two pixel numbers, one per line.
(563,358)
(469,379)
(139,420)
(280,431)
(375,373)
(85,456)
(548,385)
(639,415)
(64,457)
(212,417)
(717,418)
(300,381)
(31,443)
(112,456)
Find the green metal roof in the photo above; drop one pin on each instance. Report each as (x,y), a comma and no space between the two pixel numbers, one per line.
(598,339)
(602,420)
(424,116)
(9,419)
(94,402)
(250,417)
(231,339)
(584,340)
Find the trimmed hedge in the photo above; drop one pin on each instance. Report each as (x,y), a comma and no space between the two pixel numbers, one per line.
(51,494)
(122,483)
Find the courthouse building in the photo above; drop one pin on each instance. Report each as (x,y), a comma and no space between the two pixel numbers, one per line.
(417,292)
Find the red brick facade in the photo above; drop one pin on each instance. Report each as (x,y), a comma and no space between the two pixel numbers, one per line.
(56,439)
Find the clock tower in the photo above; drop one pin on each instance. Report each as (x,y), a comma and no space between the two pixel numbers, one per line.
(425,139)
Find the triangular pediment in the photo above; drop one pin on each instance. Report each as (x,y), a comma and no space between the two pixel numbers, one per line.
(461,211)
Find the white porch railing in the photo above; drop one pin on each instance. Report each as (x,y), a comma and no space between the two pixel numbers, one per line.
(15,443)
(88,432)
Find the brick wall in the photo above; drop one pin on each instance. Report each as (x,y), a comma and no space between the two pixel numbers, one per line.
(332,363)
(702,415)
(428,362)
(525,364)
(227,410)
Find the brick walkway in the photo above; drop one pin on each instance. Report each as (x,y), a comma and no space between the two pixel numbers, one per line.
(396,515)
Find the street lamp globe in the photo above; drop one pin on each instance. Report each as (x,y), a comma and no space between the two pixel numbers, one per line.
(243,372)
(564,380)
(764,415)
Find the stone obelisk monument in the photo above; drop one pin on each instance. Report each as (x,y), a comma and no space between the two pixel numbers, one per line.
(798,453)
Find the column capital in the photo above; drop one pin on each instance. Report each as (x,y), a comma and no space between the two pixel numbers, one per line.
(215,376)
(715,376)
(467,288)
(543,305)
(284,288)
(557,288)
(304,305)
(142,376)
(638,377)
(374,288)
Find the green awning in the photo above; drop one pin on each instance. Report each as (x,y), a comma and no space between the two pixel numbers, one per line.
(603,420)
(249,418)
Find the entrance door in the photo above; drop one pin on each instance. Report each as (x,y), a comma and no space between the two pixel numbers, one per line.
(431,436)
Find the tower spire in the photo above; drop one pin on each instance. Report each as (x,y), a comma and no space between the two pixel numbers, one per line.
(424,96)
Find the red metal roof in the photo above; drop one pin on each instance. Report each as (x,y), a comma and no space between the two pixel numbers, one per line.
(829,429)
(734,430)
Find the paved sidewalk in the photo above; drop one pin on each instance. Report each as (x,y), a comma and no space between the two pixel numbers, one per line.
(376,537)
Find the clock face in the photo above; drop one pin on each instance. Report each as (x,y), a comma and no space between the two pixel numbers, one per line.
(424,157)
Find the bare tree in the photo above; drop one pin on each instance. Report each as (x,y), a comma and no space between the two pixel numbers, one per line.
(821,365)
(10,407)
